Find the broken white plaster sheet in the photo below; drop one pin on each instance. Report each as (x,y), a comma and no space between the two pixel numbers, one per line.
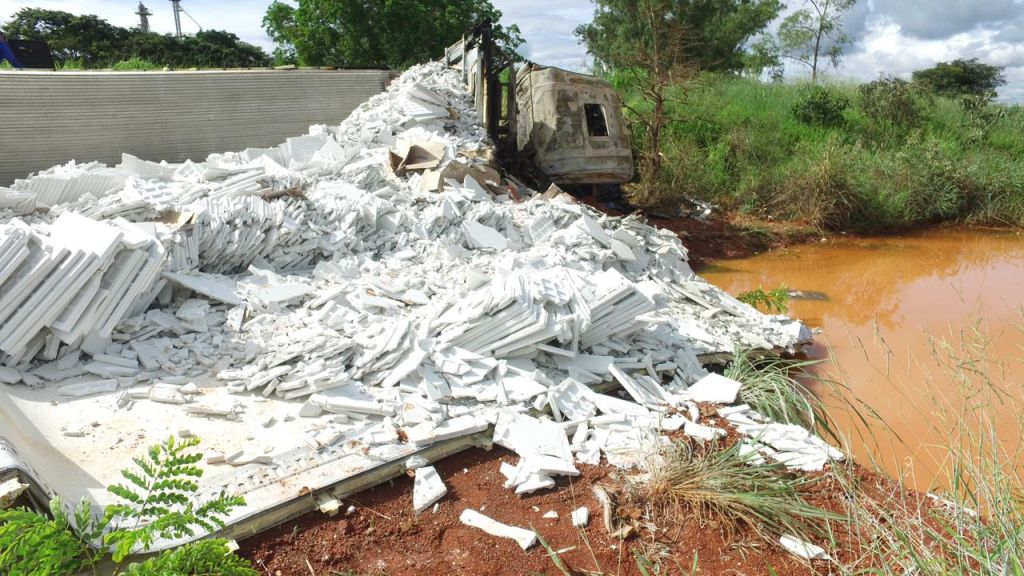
(714,388)
(525,538)
(427,488)
(803,549)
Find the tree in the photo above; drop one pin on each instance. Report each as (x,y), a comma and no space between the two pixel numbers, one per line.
(645,42)
(85,38)
(96,43)
(716,30)
(377,33)
(962,78)
(814,33)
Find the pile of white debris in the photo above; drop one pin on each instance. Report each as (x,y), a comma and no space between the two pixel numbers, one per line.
(382,285)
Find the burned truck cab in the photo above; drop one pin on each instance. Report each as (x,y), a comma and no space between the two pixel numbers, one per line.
(570,126)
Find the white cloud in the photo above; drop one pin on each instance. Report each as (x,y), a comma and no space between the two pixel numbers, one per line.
(548,30)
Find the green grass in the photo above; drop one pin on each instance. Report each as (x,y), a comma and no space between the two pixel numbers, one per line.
(737,143)
(770,387)
(709,481)
(135,65)
(774,301)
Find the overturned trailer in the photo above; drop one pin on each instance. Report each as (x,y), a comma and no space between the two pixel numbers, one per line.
(571,127)
(557,126)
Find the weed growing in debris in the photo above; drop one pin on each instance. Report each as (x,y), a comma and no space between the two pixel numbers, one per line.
(158,503)
(771,387)
(772,301)
(712,480)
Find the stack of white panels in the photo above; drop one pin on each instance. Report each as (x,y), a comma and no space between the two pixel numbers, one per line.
(74,279)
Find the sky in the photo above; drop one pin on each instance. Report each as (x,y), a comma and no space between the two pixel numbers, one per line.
(891,36)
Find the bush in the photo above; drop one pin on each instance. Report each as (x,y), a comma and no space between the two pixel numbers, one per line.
(892,105)
(158,502)
(899,157)
(820,106)
(820,187)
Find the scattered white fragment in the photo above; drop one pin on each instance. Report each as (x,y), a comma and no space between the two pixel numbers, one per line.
(714,388)
(581,517)
(802,549)
(9,375)
(415,462)
(88,388)
(427,489)
(551,514)
(10,489)
(474,519)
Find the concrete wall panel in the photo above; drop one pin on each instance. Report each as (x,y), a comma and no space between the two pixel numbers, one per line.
(48,118)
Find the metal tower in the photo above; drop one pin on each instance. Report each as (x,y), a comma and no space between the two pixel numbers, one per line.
(176,5)
(144,15)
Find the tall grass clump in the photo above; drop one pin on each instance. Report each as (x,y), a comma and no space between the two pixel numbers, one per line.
(771,386)
(71,65)
(725,483)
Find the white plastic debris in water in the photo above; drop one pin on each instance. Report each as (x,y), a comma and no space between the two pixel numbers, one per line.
(803,549)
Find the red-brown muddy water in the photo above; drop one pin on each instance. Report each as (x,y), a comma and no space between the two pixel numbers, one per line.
(897,313)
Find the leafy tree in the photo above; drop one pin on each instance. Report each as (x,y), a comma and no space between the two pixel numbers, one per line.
(376,33)
(657,65)
(962,78)
(87,38)
(815,33)
(95,43)
(716,30)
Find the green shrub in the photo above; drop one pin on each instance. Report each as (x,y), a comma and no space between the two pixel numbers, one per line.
(899,157)
(819,106)
(158,502)
(892,105)
(820,186)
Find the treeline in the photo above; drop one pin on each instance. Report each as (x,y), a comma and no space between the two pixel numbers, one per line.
(87,41)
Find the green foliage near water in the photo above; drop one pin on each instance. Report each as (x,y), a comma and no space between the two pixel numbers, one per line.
(774,301)
(880,157)
(158,501)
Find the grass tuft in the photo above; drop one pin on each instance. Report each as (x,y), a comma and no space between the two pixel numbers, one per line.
(710,481)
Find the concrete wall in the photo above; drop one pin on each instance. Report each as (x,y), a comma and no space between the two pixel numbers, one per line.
(48,118)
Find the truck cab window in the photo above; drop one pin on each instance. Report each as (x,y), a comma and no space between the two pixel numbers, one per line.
(597,126)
